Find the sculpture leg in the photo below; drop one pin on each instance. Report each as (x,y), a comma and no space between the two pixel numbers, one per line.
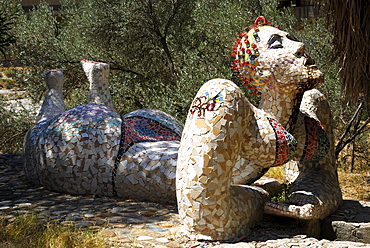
(52,106)
(209,206)
(97,75)
(53,103)
(73,151)
(315,191)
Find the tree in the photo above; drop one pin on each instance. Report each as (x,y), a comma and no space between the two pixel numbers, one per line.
(160,52)
(349,23)
(7,17)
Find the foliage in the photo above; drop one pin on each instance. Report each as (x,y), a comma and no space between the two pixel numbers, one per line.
(8,14)
(14,126)
(28,231)
(283,193)
(317,38)
(349,24)
(160,52)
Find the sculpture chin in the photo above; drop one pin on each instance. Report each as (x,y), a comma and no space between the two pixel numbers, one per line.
(315,79)
(310,78)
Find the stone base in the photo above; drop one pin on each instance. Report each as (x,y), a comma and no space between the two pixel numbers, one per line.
(129,217)
(351,222)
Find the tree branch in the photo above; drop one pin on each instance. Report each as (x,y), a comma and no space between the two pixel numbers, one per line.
(340,147)
(350,124)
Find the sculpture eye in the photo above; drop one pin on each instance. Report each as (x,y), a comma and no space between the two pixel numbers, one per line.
(291,37)
(275,42)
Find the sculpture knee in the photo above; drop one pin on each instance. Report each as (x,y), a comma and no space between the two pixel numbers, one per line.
(211,142)
(217,121)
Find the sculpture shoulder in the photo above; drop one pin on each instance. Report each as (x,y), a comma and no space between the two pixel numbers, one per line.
(268,143)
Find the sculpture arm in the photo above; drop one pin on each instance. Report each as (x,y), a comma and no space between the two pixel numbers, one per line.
(315,191)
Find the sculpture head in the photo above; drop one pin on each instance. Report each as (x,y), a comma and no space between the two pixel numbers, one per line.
(271,59)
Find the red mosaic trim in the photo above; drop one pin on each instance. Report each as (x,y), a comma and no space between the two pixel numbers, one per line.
(285,143)
(317,142)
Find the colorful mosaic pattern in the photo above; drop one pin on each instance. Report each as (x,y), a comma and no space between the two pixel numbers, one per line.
(91,149)
(226,143)
(150,125)
(66,166)
(317,142)
(210,207)
(286,144)
(282,68)
(205,103)
(141,130)
(236,143)
(146,165)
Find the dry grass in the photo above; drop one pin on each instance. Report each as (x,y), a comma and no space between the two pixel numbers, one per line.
(28,231)
(353,185)
(276,173)
(8,77)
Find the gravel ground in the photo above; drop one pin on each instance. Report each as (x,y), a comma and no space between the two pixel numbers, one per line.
(129,223)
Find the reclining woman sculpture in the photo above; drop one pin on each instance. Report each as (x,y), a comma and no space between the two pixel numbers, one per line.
(226,143)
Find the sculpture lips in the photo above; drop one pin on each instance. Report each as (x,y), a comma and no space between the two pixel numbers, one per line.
(308,61)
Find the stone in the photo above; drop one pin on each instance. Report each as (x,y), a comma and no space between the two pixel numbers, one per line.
(116,210)
(144,238)
(89,215)
(162,240)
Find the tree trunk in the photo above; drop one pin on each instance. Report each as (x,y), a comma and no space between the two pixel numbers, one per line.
(352,164)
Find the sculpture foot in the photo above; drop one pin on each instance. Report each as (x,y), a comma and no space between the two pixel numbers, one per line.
(311,208)
(314,195)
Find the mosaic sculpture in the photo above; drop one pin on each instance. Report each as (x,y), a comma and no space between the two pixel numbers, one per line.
(91,149)
(228,143)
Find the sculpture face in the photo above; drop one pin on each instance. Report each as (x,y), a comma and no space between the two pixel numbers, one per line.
(284,68)
(270,59)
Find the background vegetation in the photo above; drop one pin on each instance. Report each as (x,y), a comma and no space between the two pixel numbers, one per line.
(160,53)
